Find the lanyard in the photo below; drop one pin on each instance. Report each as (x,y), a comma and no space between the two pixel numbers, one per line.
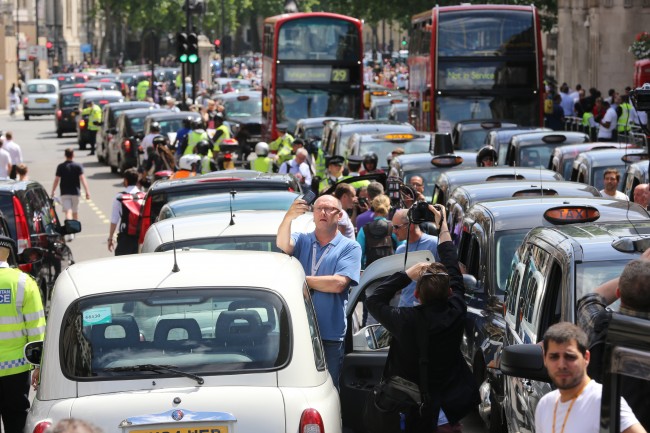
(315,265)
(573,400)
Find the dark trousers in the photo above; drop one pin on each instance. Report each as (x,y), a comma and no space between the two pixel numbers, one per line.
(92,139)
(14,401)
(126,244)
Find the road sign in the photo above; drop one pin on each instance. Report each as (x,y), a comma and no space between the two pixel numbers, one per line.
(37,52)
(86,48)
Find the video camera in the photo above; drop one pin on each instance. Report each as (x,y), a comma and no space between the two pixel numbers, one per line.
(420,212)
(640,97)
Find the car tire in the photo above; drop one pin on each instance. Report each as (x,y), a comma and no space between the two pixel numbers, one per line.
(59,133)
(26,116)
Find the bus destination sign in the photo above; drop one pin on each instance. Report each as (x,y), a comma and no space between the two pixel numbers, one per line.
(313,74)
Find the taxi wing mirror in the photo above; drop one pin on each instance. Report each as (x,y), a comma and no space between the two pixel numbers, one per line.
(33,352)
(31,255)
(376,337)
(471,285)
(525,361)
(71,227)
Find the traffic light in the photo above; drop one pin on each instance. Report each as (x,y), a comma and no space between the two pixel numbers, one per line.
(192,48)
(50,49)
(217,46)
(182,47)
(404,42)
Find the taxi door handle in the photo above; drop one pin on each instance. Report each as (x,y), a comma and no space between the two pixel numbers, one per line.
(527,385)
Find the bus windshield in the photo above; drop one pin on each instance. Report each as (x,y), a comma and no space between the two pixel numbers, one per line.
(453,109)
(294,104)
(318,38)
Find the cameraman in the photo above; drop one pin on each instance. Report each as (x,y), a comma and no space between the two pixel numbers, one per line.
(418,241)
(439,289)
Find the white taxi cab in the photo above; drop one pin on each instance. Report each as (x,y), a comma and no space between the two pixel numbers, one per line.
(185,342)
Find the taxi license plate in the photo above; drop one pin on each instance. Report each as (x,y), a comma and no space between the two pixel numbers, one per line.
(185,429)
(42,100)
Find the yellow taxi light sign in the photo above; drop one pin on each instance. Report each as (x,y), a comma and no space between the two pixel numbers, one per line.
(379,93)
(449,160)
(396,137)
(571,214)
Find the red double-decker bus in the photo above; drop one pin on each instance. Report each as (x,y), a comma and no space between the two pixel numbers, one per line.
(312,67)
(475,62)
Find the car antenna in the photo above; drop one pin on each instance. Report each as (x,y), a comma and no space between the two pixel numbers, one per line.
(232,215)
(175,268)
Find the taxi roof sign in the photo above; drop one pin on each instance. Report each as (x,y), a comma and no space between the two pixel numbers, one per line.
(570,214)
(243,98)
(448,160)
(490,125)
(554,138)
(398,137)
(535,192)
(379,93)
(634,157)
(499,177)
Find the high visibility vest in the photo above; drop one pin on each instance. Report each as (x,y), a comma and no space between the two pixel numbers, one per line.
(22,319)
(263,164)
(193,138)
(285,141)
(141,90)
(623,119)
(206,166)
(327,182)
(224,136)
(284,154)
(585,118)
(95,115)
(321,167)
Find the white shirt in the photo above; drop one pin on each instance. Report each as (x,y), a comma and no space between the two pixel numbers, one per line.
(348,228)
(567,104)
(585,413)
(611,117)
(147,141)
(5,159)
(14,151)
(618,196)
(116,211)
(294,168)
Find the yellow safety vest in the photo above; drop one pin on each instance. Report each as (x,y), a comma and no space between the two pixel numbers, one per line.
(327,182)
(586,117)
(224,136)
(141,90)
(263,164)
(321,167)
(193,138)
(95,115)
(623,125)
(285,141)
(22,319)
(206,164)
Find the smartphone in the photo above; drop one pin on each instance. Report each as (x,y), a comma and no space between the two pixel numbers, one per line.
(309,197)
(363,201)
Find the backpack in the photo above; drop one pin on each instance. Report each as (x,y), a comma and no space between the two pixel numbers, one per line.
(379,242)
(131,204)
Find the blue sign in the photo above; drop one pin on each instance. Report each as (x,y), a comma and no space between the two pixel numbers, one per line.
(86,48)
(5,296)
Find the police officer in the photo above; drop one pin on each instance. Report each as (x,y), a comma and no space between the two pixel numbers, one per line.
(263,162)
(282,144)
(486,157)
(222,132)
(335,172)
(623,111)
(141,90)
(94,115)
(196,135)
(22,320)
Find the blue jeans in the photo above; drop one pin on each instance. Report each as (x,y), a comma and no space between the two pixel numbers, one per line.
(334,352)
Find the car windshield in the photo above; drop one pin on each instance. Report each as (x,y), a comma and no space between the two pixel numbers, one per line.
(249,243)
(222,203)
(314,132)
(200,331)
(598,174)
(42,88)
(535,156)
(567,167)
(380,112)
(172,125)
(506,243)
(243,106)
(430,176)
(70,99)
(590,275)
(384,149)
(472,139)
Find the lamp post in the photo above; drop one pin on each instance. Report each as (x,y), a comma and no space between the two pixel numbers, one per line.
(152,35)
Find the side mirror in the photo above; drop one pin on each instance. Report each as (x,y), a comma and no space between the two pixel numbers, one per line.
(31,255)
(471,285)
(524,360)
(33,352)
(71,227)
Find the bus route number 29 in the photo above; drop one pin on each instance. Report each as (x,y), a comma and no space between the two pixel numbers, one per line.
(340,75)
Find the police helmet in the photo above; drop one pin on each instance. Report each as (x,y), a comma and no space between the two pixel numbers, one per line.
(486,152)
(197,123)
(159,140)
(203,147)
(218,116)
(187,122)
(187,162)
(154,127)
(371,158)
(261,149)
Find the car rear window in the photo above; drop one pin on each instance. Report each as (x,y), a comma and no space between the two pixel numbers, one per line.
(249,243)
(199,331)
(70,100)
(41,88)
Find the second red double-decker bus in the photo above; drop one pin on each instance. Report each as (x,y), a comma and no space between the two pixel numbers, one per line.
(312,67)
(475,62)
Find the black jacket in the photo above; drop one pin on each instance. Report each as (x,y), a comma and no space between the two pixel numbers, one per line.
(451,384)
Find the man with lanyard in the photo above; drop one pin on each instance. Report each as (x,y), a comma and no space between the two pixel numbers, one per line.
(22,320)
(575,405)
(418,241)
(332,263)
(299,167)
(222,132)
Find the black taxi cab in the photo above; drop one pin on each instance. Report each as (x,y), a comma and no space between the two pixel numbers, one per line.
(465,196)
(450,180)
(380,107)
(338,133)
(551,270)
(626,356)
(563,156)
(470,134)
(383,144)
(499,138)
(67,103)
(311,128)
(589,167)
(496,251)
(635,174)
(534,149)
(429,167)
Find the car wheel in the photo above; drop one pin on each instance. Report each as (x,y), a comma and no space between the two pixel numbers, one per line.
(26,116)
(59,133)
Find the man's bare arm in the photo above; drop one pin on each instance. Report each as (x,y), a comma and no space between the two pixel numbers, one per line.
(328,283)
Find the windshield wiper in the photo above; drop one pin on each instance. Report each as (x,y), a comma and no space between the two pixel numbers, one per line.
(158,368)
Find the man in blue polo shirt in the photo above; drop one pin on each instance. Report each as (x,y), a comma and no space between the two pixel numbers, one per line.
(332,263)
